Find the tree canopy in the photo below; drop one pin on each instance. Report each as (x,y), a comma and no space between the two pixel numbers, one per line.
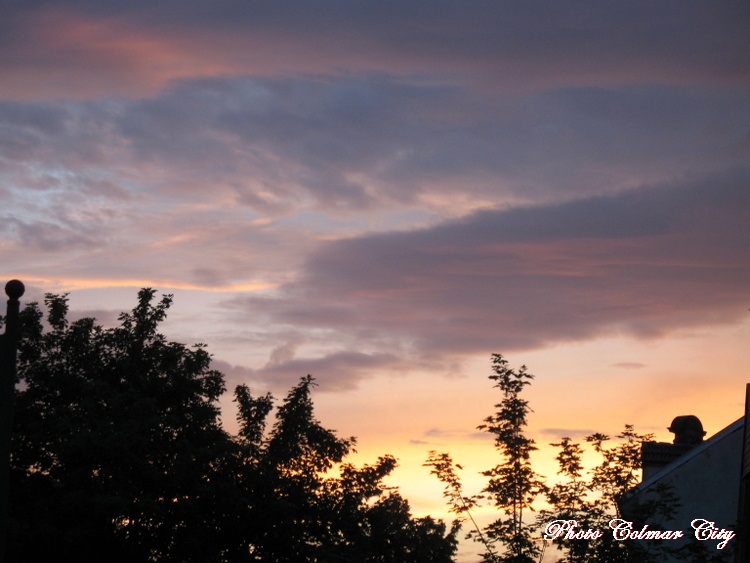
(119,454)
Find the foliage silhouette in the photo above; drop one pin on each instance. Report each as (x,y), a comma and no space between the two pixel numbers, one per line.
(119,455)
(443,468)
(513,485)
(591,498)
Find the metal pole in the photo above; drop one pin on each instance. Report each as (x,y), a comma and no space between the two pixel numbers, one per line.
(14,289)
(742,548)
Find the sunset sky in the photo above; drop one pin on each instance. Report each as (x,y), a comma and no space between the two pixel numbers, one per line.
(384,193)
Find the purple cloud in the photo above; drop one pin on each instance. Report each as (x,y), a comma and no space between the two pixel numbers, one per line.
(641,263)
(137,46)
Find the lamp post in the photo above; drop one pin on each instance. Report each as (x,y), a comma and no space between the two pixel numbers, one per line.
(14,289)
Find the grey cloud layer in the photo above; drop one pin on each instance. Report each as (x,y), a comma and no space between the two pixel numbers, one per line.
(642,263)
(358,142)
(503,45)
(170,186)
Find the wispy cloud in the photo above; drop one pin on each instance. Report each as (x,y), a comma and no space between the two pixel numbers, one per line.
(629,365)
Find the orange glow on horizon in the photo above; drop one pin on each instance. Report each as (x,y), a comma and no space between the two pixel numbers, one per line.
(71,284)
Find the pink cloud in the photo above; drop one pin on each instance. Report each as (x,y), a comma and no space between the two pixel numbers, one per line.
(101,48)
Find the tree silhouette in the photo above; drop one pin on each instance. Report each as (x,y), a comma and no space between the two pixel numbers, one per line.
(118,454)
(513,485)
(301,514)
(116,438)
(594,498)
(591,498)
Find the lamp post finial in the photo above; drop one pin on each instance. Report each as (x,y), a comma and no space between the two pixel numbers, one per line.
(14,289)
